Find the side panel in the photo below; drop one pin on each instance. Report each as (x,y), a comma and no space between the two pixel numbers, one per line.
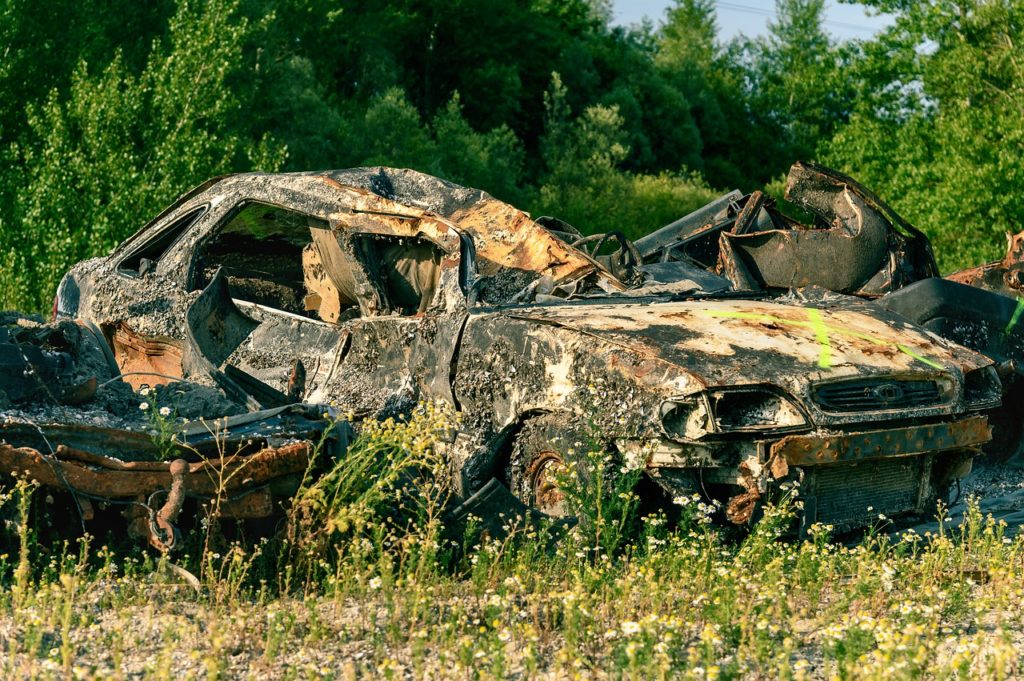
(392,362)
(509,368)
(279,339)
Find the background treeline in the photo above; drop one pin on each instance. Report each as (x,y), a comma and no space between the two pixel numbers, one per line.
(111,108)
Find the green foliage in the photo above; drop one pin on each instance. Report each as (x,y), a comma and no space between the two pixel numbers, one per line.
(584,185)
(738,141)
(633,204)
(493,160)
(120,146)
(108,116)
(387,489)
(391,132)
(601,494)
(800,85)
(937,130)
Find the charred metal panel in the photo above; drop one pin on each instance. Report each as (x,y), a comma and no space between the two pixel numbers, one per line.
(980,319)
(847,496)
(514,251)
(657,245)
(727,342)
(803,450)
(373,374)
(842,258)
(857,245)
(1005,277)
(270,350)
(142,360)
(510,367)
(57,364)
(215,326)
(216,437)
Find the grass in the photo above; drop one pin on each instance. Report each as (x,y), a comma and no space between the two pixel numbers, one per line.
(365,582)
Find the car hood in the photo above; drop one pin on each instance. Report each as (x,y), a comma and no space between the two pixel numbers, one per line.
(743,342)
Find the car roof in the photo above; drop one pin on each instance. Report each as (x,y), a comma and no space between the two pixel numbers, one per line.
(508,243)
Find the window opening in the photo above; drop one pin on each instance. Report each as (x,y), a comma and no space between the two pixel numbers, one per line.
(143,260)
(405,270)
(274,257)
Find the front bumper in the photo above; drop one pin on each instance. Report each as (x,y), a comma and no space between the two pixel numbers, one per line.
(811,450)
(845,476)
(808,449)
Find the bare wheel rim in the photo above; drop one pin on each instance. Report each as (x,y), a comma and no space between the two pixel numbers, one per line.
(546,492)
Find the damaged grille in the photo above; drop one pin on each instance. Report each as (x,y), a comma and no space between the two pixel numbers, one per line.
(844,493)
(878,395)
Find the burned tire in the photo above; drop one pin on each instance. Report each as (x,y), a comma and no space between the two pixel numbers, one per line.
(541,451)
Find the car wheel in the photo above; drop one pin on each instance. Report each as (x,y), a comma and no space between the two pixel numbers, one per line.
(541,452)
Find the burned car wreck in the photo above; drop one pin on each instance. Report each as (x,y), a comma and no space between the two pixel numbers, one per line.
(373,289)
(858,246)
(70,423)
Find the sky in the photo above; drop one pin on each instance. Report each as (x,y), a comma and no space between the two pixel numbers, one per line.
(750,17)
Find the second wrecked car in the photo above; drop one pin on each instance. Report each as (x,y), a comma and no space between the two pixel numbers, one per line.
(376,288)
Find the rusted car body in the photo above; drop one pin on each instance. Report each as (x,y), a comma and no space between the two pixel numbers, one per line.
(69,423)
(857,244)
(1005,276)
(994,325)
(237,468)
(854,245)
(373,289)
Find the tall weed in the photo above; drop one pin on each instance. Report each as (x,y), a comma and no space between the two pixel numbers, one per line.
(378,502)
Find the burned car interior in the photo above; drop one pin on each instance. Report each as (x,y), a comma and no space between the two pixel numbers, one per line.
(276,258)
(727,353)
(260,249)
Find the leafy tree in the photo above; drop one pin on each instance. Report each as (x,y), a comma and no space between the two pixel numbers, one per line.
(118,147)
(584,185)
(493,160)
(40,43)
(937,126)
(799,84)
(497,54)
(391,132)
(734,144)
(657,115)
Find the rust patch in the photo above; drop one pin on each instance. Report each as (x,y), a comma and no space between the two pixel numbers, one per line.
(163,535)
(778,466)
(506,238)
(740,508)
(110,478)
(259,503)
(545,491)
(1005,276)
(141,359)
(805,450)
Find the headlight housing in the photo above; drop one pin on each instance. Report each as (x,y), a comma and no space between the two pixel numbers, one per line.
(753,409)
(982,388)
(686,418)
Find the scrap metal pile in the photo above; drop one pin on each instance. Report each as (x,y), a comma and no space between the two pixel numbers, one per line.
(727,354)
(70,423)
